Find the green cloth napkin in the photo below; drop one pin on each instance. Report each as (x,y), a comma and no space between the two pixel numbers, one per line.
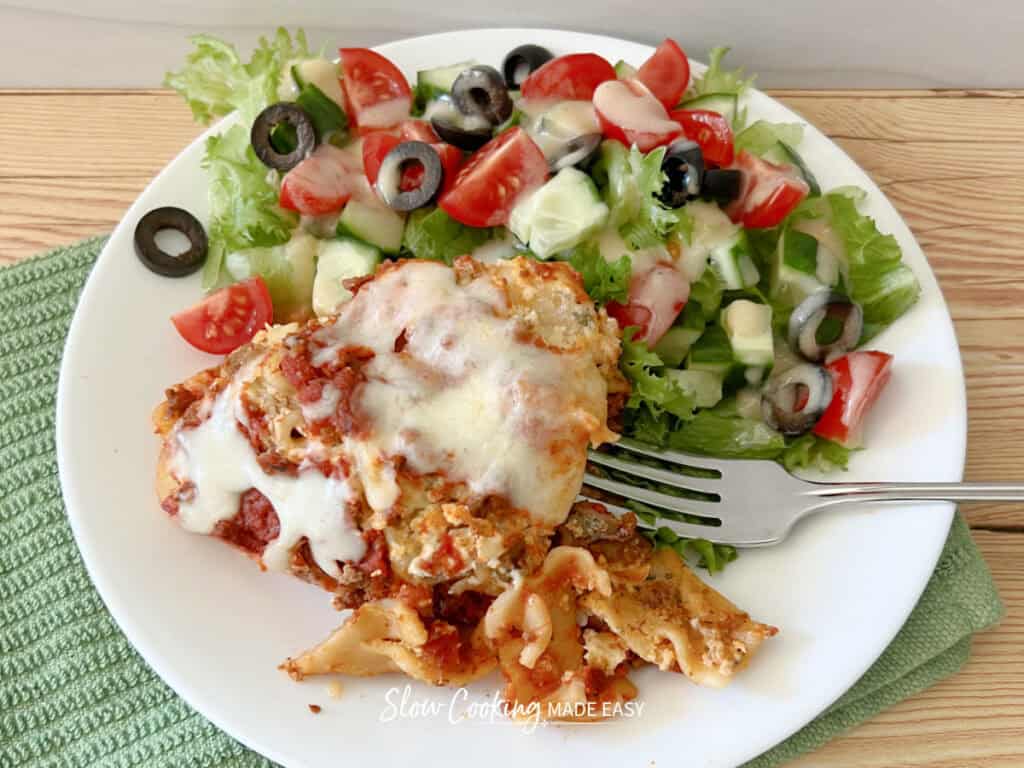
(73,692)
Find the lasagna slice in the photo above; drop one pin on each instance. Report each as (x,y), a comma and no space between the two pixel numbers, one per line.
(418,456)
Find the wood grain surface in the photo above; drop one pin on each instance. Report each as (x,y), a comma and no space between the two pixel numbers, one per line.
(951,161)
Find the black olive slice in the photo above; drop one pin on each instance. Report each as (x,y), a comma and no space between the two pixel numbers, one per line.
(806,321)
(522,62)
(576,151)
(160,261)
(805,385)
(722,184)
(267,120)
(458,136)
(481,91)
(683,166)
(390,175)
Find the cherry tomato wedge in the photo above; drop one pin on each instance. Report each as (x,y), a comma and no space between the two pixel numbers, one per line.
(666,73)
(227,319)
(320,184)
(656,297)
(494,178)
(575,77)
(377,144)
(418,130)
(376,92)
(769,193)
(628,112)
(857,380)
(710,130)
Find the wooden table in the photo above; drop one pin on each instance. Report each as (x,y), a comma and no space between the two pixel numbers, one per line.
(951,161)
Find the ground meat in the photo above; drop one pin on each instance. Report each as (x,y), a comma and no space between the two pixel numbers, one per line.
(254,525)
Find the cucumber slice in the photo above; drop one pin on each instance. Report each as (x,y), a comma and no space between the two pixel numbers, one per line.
(561,214)
(725,104)
(801,266)
(782,153)
(673,347)
(733,262)
(624,71)
(339,260)
(373,224)
(705,386)
(749,328)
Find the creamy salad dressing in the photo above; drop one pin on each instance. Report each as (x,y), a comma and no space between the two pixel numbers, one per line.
(218,459)
(463,396)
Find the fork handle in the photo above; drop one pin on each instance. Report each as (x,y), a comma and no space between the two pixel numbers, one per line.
(838,493)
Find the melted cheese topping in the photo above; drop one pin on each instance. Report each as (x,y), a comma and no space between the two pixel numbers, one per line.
(222,465)
(464,395)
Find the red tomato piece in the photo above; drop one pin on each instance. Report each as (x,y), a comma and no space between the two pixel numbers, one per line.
(575,77)
(377,95)
(769,192)
(629,112)
(710,130)
(656,297)
(320,184)
(227,319)
(857,380)
(666,73)
(494,178)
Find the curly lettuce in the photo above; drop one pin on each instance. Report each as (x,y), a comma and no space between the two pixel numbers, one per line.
(718,80)
(653,392)
(215,81)
(430,233)
(603,280)
(630,183)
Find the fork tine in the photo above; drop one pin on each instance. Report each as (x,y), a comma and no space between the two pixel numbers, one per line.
(663,500)
(687,530)
(675,479)
(674,457)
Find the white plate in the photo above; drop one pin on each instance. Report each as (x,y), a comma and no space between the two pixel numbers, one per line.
(214,627)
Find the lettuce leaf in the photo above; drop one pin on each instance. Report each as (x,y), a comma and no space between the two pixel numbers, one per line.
(762,135)
(721,431)
(214,81)
(712,557)
(879,280)
(812,452)
(430,233)
(718,80)
(630,182)
(243,202)
(653,392)
(603,280)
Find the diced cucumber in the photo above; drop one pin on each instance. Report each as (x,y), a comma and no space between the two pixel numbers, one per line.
(713,352)
(705,386)
(324,74)
(372,223)
(749,328)
(287,269)
(442,78)
(725,104)
(801,266)
(711,228)
(339,260)
(733,262)
(561,214)
(431,83)
(624,71)
(782,153)
(326,115)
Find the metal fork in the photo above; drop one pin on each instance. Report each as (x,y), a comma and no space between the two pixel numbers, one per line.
(745,502)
